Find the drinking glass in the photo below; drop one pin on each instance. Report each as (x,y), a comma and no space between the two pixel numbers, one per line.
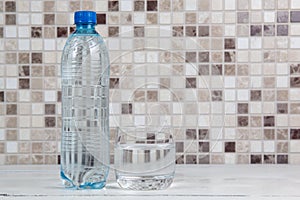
(144,157)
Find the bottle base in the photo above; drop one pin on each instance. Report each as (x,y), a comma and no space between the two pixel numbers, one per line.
(81,186)
(145,182)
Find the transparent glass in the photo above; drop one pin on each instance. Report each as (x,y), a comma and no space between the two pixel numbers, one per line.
(144,157)
(85,114)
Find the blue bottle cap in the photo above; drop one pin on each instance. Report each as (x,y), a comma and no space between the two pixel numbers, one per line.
(85,17)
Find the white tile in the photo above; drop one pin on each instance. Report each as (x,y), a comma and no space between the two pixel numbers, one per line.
(139,18)
(217,17)
(230,95)
(255,146)
(24,121)
(101,5)
(165,18)
(23,18)
(165,31)
(139,108)
(229,82)
(165,95)
(37,121)
(11,83)
(204,108)
(282,68)
(255,107)
(24,134)
(216,146)
(2,134)
(282,120)
(256,82)
(36,19)
(36,6)
(217,107)
(229,133)
(126,44)
(203,120)
(229,30)
(24,44)
(295,146)
(191,5)
(49,44)
(242,56)
(152,57)
(113,44)
(242,43)
(37,44)
(217,4)
(230,108)
(256,4)
(10,31)
(294,29)
(269,16)
(269,146)
(139,120)
(294,120)
(255,42)
(50,96)
(24,96)
(2,84)
(37,108)
(294,42)
(12,71)
(242,95)
(230,4)
(191,69)
(295,4)
(11,147)
(230,158)
(126,5)
(282,82)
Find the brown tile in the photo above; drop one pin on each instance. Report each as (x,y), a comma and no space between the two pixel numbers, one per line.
(203,134)
(1,96)
(190,159)
(49,19)
(282,108)
(190,57)
(114,83)
(295,134)
(10,6)
(179,159)
(295,16)
(24,147)
(11,160)
(203,147)
(243,17)
(11,122)
(37,96)
(269,30)
(151,18)
(282,16)
(113,5)
(62,32)
(203,31)
(49,6)
(203,57)
(179,147)
(190,134)
(269,159)
(50,109)
(37,147)
(242,108)
(269,134)
(269,121)
(282,159)
(50,70)
(204,5)
(50,122)
(11,96)
(11,109)
(10,19)
(139,96)
(36,71)
(72,29)
(11,135)
(177,70)
(229,70)
(2,147)
(295,69)
(295,82)
(243,159)
(255,95)
(152,96)
(50,159)
(36,58)
(217,57)
(165,5)
(204,95)
(139,5)
(152,6)
(217,31)
(282,95)
(101,18)
(282,134)
(58,96)
(203,70)
(190,18)
(11,58)
(282,30)
(217,69)
(229,43)
(139,31)
(177,31)
(269,95)
(217,159)
(242,121)
(164,83)
(24,70)
(216,95)
(255,121)
(24,83)
(229,147)
(1,32)
(74,5)
(282,147)
(256,30)
(36,32)
(49,32)
(23,58)
(256,159)
(190,83)
(269,82)
(126,108)
(295,108)
(190,31)
(229,56)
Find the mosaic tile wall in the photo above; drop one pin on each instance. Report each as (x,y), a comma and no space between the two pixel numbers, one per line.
(224,73)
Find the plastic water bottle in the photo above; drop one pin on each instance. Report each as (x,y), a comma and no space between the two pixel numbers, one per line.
(85,114)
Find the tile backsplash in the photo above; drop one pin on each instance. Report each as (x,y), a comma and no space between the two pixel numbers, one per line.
(224,73)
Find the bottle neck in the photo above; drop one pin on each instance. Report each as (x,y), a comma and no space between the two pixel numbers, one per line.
(85,28)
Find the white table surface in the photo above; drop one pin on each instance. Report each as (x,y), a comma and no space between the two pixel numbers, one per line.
(210,182)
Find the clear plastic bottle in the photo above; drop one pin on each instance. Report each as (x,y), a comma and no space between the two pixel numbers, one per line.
(85,114)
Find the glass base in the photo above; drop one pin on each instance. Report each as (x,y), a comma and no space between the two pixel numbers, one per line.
(81,186)
(145,182)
